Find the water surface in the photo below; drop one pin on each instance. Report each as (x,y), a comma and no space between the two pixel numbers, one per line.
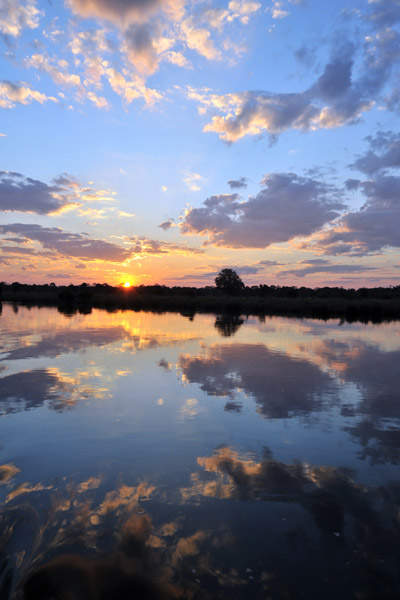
(162,456)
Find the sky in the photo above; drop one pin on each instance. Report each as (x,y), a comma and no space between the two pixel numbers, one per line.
(159,141)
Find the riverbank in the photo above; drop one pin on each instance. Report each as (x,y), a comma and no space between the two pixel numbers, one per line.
(365,305)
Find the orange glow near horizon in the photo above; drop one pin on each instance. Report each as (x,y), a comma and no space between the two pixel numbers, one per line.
(127,284)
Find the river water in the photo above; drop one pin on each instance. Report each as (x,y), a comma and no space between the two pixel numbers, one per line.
(168,456)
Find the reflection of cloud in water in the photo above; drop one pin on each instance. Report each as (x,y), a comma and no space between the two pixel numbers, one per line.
(85,540)
(379,444)
(282,386)
(355,523)
(31,389)
(82,542)
(67,341)
(376,376)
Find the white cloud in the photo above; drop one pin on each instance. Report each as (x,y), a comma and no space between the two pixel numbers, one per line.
(192,181)
(16,16)
(12,93)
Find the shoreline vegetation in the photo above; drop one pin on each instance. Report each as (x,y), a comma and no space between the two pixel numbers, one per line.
(366,305)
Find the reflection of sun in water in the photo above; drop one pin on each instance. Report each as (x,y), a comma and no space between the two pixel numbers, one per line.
(127,284)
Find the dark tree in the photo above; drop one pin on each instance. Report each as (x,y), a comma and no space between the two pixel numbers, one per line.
(229,281)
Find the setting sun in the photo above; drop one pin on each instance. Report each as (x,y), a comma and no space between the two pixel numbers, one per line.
(127,284)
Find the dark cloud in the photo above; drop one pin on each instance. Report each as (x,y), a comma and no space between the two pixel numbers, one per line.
(384,153)
(311,269)
(335,81)
(288,207)
(167,224)
(281,386)
(372,228)
(18,250)
(68,244)
(24,194)
(140,48)
(376,225)
(121,12)
(235,184)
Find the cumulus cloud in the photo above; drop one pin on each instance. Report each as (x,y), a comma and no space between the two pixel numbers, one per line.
(68,244)
(376,225)
(288,207)
(12,93)
(199,39)
(336,98)
(16,15)
(24,194)
(235,184)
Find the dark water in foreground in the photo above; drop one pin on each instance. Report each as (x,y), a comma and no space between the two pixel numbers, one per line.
(151,456)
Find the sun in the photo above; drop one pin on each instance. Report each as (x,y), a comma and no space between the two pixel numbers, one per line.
(127,284)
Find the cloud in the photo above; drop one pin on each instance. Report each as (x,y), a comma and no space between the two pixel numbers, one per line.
(277,11)
(199,39)
(376,225)
(145,245)
(192,181)
(68,244)
(384,13)
(16,15)
(24,194)
(167,224)
(124,12)
(383,154)
(336,98)
(57,72)
(208,277)
(131,87)
(323,267)
(12,93)
(288,207)
(236,184)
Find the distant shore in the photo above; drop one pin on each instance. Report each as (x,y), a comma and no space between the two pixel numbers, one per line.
(365,304)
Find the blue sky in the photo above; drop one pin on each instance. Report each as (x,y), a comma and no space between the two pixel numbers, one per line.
(261,136)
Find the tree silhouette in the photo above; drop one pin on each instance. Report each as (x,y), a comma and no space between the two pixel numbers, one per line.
(229,281)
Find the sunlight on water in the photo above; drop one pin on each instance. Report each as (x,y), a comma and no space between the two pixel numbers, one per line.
(169,456)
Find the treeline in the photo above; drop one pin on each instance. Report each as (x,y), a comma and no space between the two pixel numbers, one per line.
(363,304)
